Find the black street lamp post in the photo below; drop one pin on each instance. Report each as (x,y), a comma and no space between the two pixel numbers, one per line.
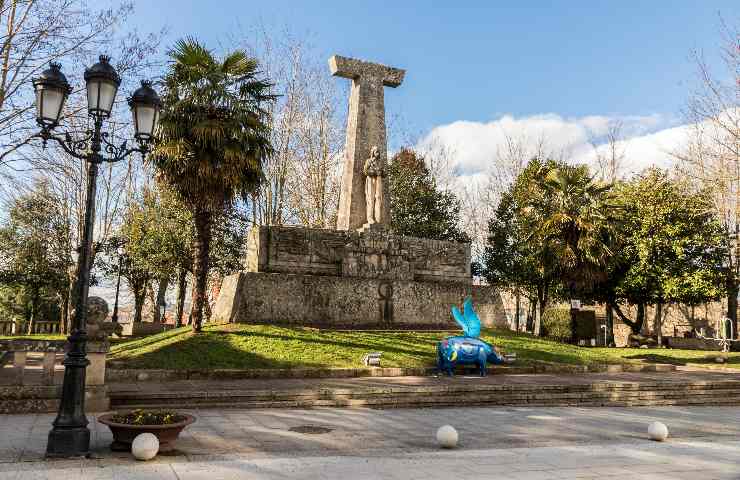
(70,436)
(120,251)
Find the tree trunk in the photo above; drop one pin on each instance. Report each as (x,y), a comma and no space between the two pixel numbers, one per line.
(161,298)
(732,291)
(517,310)
(202,247)
(139,305)
(181,287)
(658,322)
(34,310)
(63,311)
(609,325)
(531,313)
(640,322)
(635,326)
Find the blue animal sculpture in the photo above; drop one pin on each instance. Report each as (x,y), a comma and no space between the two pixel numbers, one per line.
(467,349)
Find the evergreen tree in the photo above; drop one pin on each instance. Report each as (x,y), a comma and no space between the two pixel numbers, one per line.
(419,208)
(34,253)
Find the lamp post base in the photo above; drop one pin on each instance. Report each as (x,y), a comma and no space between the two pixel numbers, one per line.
(68,442)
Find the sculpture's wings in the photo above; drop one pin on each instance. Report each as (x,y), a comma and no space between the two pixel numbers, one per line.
(459,318)
(467,319)
(471,319)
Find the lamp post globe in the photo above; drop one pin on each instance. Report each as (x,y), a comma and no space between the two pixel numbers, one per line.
(145,106)
(52,90)
(102,85)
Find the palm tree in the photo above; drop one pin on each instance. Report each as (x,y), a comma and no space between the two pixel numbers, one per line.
(578,226)
(213,138)
(578,223)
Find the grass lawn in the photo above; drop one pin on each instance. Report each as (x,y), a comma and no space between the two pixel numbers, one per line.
(264,346)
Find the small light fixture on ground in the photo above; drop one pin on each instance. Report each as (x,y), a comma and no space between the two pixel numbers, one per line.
(371,359)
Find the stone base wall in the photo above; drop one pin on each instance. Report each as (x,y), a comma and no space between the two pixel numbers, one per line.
(45,399)
(141,329)
(293,299)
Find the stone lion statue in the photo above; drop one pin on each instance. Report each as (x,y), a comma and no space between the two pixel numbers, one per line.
(96,326)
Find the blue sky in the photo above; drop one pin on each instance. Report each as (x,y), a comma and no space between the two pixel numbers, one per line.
(478,60)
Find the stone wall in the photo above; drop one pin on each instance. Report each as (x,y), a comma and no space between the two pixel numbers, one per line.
(327,301)
(677,319)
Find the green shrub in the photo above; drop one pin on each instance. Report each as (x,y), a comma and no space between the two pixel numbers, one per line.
(556,324)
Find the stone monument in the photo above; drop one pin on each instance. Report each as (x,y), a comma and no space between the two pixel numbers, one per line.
(361,274)
(366,143)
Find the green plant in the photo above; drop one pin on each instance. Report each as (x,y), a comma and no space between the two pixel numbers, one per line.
(148,417)
(556,323)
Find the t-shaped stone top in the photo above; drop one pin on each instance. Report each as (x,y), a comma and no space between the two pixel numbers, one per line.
(363,199)
(352,68)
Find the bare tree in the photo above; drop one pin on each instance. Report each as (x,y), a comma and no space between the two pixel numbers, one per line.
(68,31)
(302,177)
(610,153)
(711,156)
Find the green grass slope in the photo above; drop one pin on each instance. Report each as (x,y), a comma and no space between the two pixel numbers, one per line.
(243,346)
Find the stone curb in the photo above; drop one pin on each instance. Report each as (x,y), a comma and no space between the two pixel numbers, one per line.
(143,375)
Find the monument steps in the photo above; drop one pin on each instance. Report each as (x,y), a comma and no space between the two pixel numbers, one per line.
(596,394)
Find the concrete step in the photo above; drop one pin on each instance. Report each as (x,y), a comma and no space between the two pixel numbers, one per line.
(597,394)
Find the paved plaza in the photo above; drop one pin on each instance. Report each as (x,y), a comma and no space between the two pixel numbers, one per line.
(496,443)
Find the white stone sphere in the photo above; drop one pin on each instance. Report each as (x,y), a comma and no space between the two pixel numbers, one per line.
(145,446)
(657,431)
(447,436)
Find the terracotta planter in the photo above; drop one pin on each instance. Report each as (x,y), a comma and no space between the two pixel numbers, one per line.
(124,434)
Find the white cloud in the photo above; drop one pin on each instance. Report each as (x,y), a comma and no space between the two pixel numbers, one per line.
(640,152)
(476,146)
(473,150)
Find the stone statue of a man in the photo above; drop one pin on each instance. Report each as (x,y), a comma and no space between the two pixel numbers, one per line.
(374,170)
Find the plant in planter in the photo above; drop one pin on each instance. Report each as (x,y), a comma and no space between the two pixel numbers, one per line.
(165,425)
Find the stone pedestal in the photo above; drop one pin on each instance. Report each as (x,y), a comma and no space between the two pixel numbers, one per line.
(340,302)
(330,278)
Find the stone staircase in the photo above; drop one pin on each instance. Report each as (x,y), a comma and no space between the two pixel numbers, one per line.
(598,393)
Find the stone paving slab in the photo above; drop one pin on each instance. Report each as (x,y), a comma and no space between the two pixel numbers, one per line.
(495,442)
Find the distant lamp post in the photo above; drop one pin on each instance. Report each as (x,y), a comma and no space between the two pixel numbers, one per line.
(162,312)
(575,305)
(120,251)
(70,436)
